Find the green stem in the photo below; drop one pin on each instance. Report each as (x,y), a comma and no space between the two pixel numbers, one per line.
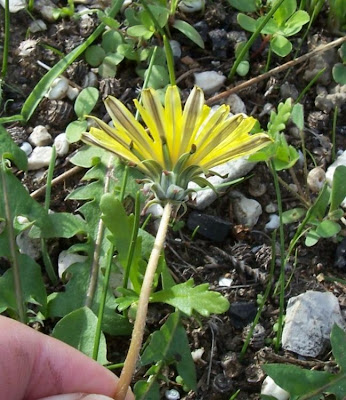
(152,16)
(6,40)
(253,37)
(308,86)
(269,58)
(139,326)
(12,245)
(282,257)
(335,118)
(169,58)
(134,235)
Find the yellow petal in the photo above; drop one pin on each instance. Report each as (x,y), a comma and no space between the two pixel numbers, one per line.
(125,123)
(173,121)
(191,115)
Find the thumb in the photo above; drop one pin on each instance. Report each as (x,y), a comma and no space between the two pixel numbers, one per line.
(77,396)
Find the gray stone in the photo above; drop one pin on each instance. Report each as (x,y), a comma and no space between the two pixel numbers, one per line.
(209,226)
(40,157)
(274,222)
(61,144)
(27,148)
(327,101)
(309,321)
(191,6)
(246,211)
(288,90)
(236,104)
(209,81)
(29,246)
(40,136)
(228,172)
(14,5)
(37,26)
(58,89)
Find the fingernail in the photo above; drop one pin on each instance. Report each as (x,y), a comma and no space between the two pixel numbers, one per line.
(77,396)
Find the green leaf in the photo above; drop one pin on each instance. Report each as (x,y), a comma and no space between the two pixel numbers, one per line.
(280,45)
(296,22)
(170,345)
(140,31)
(287,8)
(86,101)
(33,289)
(108,68)
(338,340)
(293,215)
(111,40)
(318,209)
(189,31)
(243,68)
(338,193)
(75,129)
(188,298)
(149,390)
(339,73)
(94,55)
(244,6)
(247,23)
(10,151)
(159,77)
(327,229)
(78,329)
(297,116)
(311,238)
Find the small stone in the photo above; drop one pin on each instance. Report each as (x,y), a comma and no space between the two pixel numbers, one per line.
(27,148)
(90,80)
(236,104)
(209,226)
(271,208)
(288,90)
(315,179)
(191,6)
(197,355)
(66,259)
(61,144)
(256,187)
(309,321)
(274,222)
(46,8)
(72,92)
(172,394)
(222,384)
(270,388)
(29,246)
(246,211)
(156,210)
(219,42)
(242,313)
(40,157)
(58,89)
(209,81)
(176,49)
(340,255)
(203,29)
(14,5)
(37,26)
(40,136)
(336,98)
(236,36)
(227,172)
(225,281)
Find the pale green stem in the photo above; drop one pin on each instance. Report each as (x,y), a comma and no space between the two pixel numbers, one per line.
(139,326)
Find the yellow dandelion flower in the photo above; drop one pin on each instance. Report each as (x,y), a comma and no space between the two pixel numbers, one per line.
(178,144)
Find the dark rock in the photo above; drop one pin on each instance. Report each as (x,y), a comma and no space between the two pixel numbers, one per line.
(203,29)
(219,42)
(222,384)
(210,227)
(241,314)
(340,255)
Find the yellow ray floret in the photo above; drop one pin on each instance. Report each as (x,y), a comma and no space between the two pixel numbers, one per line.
(193,138)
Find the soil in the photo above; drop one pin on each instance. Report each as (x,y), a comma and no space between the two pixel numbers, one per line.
(221,337)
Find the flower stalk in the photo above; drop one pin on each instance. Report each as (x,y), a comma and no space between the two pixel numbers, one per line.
(139,326)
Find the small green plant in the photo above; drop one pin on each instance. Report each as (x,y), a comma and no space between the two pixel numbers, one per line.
(303,384)
(339,69)
(286,22)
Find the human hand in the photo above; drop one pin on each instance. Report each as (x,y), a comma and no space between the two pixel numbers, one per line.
(34,366)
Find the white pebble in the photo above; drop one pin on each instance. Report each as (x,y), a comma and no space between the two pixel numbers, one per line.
(191,6)
(209,81)
(236,104)
(172,394)
(58,89)
(246,211)
(156,210)
(316,178)
(90,80)
(270,388)
(66,259)
(37,26)
(176,48)
(225,281)
(40,136)
(40,157)
(197,354)
(274,222)
(271,208)
(72,92)
(27,148)
(61,144)
(27,245)
(14,5)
